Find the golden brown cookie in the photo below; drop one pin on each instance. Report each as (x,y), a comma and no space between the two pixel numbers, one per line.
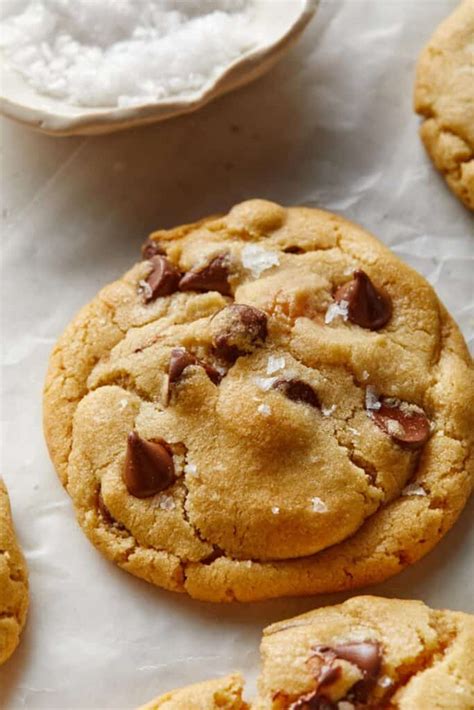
(13,582)
(444,96)
(222,694)
(368,653)
(270,403)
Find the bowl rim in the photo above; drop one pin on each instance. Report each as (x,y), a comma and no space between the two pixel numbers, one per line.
(94,120)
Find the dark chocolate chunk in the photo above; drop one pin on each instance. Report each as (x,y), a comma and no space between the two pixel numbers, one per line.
(181,358)
(297,391)
(148,467)
(237,330)
(151,248)
(212,277)
(367,306)
(408,427)
(163,279)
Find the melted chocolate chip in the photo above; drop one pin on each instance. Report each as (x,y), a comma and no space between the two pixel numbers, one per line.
(148,467)
(238,330)
(366,655)
(409,428)
(367,306)
(297,391)
(163,279)
(181,358)
(363,654)
(212,277)
(151,248)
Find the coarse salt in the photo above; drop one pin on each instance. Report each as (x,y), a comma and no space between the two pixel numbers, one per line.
(124,52)
(327,411)
(274,364)
(318,506)
(372,399)
(190,468)
(257,259)
(275,510)
(265,383)
(264,409)
(337,309)
(167,503)
(414,489)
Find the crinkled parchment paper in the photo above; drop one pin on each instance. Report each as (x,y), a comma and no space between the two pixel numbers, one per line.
(331,126)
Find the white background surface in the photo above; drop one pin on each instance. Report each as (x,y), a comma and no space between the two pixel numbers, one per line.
(332,126)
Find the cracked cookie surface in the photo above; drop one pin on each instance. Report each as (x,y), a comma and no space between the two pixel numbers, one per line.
(270,403)
(444,96)
(369,653)
(13,582)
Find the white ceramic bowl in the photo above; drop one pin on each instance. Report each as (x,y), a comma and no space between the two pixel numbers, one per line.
(281,21)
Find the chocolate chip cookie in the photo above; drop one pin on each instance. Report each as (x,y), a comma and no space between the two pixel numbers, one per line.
(444,96)
(222,694)
(385,654)
(13,582)
(269,403)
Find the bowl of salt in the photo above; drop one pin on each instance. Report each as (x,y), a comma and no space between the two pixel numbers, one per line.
(84,67)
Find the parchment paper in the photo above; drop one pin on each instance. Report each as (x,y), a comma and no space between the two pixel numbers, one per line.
(331,126)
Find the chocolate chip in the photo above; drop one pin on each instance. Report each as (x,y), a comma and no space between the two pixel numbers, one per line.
(407,426)
(148,467)
(367,306)
(237,330)
(162,281)
(104,511)
(212,277)
(365,655)
(181,358)
(151,248)
(293,250)
(297,391)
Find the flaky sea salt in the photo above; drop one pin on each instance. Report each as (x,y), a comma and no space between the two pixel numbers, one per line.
(257,259)
(167,503)
(335,310)
(327,411)
(372,399)
(274,364)
(318,506)
(264,409)
(265,383)
(275,510)
(190,468)
(385,681)
(124,52)
(414,489)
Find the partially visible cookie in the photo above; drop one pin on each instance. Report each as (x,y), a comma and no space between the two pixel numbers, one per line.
(444,96)
(368,653)
(13,582)
(222,694)
(270,403)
